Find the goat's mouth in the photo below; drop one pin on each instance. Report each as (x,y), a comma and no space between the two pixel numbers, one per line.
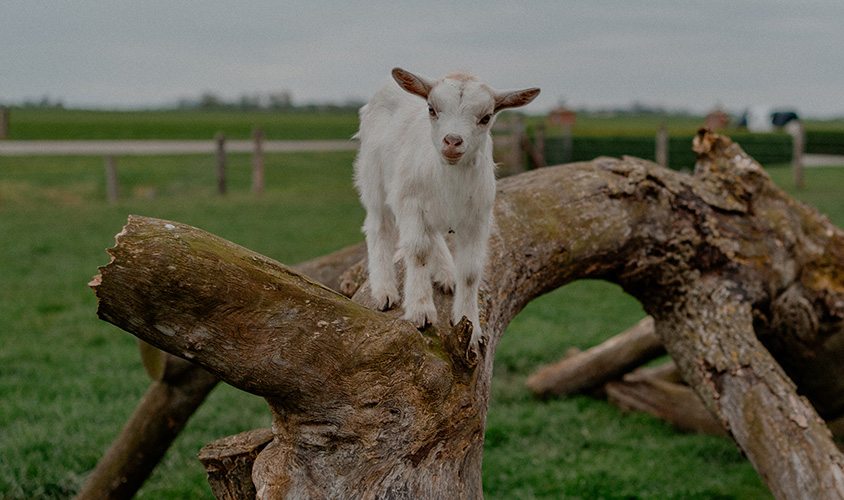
(452,156)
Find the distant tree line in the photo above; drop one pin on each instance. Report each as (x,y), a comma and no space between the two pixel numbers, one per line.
(45,102)
(282,100)
(254,101)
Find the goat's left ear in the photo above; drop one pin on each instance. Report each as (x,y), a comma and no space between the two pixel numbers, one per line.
(414,84)
(515,99)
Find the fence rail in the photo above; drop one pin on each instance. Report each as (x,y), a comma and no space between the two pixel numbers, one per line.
(668,151)
(219,147)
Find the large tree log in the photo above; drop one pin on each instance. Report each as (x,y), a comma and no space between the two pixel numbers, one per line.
(365,406)
(178,389)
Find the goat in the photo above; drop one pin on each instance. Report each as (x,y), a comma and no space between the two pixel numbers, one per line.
(425,169)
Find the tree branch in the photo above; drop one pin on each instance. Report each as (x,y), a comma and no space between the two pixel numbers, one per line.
(220,305)
(710,333)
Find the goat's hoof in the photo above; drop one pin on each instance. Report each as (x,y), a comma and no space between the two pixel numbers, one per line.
(386,301)
(446,282)
(422,323)
(420,319)
(388,304)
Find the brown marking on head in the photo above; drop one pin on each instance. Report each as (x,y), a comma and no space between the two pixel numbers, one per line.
(460,76)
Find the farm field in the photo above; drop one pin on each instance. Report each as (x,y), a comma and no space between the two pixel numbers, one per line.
(71,124)
(61,124)
(69,381)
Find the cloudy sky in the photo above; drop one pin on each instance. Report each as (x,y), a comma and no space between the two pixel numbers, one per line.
(692,55)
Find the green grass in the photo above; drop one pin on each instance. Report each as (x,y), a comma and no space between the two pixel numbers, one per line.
(635,125)
(68,381)
(66,124)
(61,124)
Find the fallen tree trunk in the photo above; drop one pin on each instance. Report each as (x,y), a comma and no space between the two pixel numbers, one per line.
(648,391)
(600,364)
(365,406)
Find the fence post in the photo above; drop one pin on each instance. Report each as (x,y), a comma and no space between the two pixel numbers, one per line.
(662,146)
(258,161)
(539,146)
(4,123)
(568,143)
(798,145)
(517,153)
(112,185)
(220,139)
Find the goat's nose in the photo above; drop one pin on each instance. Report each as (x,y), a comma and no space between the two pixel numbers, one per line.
(452,140)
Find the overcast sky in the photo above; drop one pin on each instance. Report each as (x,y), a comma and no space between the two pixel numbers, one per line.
(678,54)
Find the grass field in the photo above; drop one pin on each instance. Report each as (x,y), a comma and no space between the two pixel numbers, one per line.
(62,124)
(68,381)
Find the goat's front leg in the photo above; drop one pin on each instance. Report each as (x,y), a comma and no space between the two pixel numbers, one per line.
(416,241)
(470,260)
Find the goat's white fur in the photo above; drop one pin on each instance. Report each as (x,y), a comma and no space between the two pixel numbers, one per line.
(425,169)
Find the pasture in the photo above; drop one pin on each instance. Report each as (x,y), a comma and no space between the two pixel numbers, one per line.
(69,381)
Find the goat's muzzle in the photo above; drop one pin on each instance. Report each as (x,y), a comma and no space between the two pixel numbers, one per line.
(452,149)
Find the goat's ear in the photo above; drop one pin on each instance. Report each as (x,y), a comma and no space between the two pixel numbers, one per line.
(414,84)
(514,99)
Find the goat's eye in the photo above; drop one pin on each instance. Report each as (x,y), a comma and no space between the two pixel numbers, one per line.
(432,111)
(485,119)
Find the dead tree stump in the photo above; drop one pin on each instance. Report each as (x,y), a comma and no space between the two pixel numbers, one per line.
(744,284)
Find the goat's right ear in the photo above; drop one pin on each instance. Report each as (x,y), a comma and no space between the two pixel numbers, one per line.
(514,99)
(414,84)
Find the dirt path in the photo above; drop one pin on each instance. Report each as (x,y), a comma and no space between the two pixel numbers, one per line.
(823,161)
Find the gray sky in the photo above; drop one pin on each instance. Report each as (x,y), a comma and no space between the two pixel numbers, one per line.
(679,54)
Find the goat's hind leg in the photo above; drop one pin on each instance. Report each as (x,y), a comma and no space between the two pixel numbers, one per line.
(380,229)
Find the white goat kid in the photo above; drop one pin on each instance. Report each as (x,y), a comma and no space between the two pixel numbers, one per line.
(425,169)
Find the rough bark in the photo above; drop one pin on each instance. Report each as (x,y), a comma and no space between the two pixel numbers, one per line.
(365,406)
(741,383)
(229,462)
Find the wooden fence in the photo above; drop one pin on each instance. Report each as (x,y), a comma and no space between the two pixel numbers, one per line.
(220,147)
(514,150)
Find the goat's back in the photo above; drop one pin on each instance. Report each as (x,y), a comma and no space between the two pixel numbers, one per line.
(390,104)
